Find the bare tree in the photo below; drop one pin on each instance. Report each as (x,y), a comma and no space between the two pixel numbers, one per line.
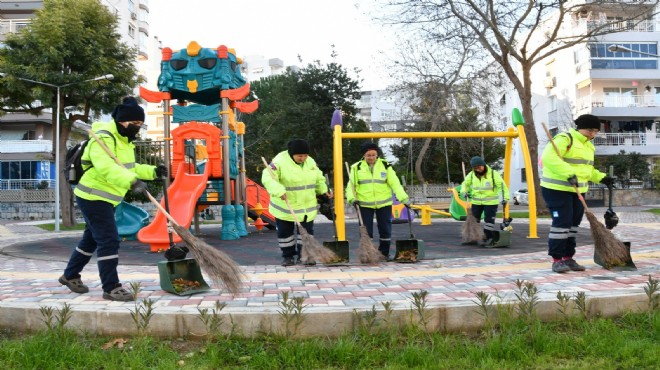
(516,34)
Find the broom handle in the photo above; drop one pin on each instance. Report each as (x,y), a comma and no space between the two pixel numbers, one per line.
(357,206)
(151,198)
(467,199)
(577,191)
(270,170)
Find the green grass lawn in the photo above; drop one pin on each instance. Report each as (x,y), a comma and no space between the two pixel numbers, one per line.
(629,342)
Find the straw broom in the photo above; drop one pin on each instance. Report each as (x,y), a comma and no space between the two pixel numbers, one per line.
(471,231)
(611,250)
(367,252)
(218,265)
(311,249)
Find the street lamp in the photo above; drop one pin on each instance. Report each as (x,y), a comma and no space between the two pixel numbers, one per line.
(623,49)
(57,133)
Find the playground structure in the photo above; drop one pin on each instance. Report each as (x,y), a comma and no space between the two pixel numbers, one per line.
(455,212)
(204,153)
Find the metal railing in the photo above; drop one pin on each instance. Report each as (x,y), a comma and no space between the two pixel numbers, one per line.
(617,101)
(26,184)
(629,139)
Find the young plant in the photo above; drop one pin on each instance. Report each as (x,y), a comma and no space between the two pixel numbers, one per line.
(366,321)
(564,301)
(651,289)
(420,306)
(55,319)
(211,319)
(291,311)
(389,311)
(141,314)
(484,304)
(528,299)
(581,304)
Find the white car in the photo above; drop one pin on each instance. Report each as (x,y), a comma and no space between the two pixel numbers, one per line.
(520,197)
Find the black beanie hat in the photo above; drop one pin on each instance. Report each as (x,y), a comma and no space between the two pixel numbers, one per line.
(128,110)
(365,147)
(587,121)
(298,146)
(477,161)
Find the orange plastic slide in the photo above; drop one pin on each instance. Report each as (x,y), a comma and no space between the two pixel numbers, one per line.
(257,194)
(182,196)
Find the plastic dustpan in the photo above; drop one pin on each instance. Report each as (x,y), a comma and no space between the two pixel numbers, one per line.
(182,277)
(409,250)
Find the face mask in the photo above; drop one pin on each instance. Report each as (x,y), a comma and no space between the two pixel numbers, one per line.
(129,132)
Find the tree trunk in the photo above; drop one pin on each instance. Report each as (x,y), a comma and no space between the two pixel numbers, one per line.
(532,138)
(66,194)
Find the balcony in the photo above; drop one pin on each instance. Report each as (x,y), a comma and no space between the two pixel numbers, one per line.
(26,146)
(643,143)
(611,106)
(625,26)
(12,26)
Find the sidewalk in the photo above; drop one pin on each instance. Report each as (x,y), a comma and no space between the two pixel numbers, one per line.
(331,293)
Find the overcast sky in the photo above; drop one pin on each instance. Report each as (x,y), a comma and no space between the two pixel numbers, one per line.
(280,29)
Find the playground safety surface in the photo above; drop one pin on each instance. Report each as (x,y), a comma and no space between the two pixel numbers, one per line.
(451,274)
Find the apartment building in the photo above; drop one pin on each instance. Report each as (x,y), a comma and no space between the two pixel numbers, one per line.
(615,77)
(26,149)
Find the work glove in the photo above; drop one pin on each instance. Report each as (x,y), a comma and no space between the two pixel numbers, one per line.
(161,171)
(139,187)
(504,202)
(573,180)
(355,202)
(406,202)
(608,181)
(176,253)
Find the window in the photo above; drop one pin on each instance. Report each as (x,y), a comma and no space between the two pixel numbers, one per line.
(553,103)
(523,175)
(638,58)
(19,170)
(131,31)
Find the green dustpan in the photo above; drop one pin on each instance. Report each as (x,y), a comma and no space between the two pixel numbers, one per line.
(182,277)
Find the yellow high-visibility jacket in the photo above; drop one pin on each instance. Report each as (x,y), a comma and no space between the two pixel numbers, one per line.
(300,182)
(576,158)
(374,189)
(106,180)
(485,190)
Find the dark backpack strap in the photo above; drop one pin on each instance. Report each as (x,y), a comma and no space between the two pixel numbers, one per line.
(570,141)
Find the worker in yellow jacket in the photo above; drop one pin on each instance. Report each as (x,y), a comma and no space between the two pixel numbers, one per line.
(297,180)
(485,187)
(375,180)
(101,188)
(572,167)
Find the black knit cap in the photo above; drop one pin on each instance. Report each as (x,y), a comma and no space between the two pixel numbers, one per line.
(128,110)
(367,146)
(587,121)
(298,146)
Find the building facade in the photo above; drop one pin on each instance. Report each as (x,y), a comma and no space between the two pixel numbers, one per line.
(615,77)
(26,149)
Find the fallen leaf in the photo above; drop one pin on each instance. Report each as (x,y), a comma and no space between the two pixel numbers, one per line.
(119,342)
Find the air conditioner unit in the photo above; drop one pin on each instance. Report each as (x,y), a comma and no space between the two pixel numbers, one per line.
(550,82)
(133,16)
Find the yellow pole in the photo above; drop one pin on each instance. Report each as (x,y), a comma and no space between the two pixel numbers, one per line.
(338,183)
(519,123)
(424,135)
(507,168)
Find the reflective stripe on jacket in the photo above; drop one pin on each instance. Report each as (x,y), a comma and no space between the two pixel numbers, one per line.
(374,188)
(482,190)
(300,183)
(106,180)
(579,161)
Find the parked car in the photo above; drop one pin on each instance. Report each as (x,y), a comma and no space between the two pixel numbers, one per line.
(520,197)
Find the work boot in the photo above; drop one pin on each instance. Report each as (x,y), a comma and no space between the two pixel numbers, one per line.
(288,261)
(560,266)
(573,265)
(74,284)
(486,242)
(119,294)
